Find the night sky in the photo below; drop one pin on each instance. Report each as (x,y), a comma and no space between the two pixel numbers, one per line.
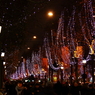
(22,19)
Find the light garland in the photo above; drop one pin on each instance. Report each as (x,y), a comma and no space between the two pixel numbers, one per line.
(65,39)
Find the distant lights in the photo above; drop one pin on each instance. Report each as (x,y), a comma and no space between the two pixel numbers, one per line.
(5,72)
(93,15)
(2,54)
(34,12)
(62,68)
(21,56)
(84,61)
(34,37)
(50,13)
(28,48)
(5,67)
(4,63)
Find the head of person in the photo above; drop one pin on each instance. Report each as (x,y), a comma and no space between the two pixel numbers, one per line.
(90,86)
(76,84)
(19,84)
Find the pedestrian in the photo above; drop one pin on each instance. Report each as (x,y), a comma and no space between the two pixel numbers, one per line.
(20,89)
(75,89)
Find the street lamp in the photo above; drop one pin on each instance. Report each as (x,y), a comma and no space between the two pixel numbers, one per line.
(1,68)
(4,63)
(2,54)
(28,48)
(61,68)
(84,75)
(34,37)
(50,13)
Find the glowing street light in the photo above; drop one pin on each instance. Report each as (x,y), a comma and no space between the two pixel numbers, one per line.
(61,68)
(2,54)
(84,61)
(50,14)
(34,37)
(84,75)
(28,48)
(4,63)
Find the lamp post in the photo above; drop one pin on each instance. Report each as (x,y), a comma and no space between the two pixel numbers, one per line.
(1,63)
(61,68)
(1,69)
(84,75)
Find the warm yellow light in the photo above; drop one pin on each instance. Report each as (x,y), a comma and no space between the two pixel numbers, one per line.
(34,37)
(55,79)
(28,48)
(50,14)
(43,69)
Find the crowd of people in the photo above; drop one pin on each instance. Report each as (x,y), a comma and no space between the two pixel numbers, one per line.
(46,88)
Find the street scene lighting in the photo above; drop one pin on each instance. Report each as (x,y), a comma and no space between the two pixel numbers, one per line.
(93,15)
(4,63)
(68,37)
(62,68)
(34,37)
(28,48)
(2,54)
(50,14)
(84,61)
(84,74)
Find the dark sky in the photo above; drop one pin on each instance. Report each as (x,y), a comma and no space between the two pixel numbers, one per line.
(22,19)
(40,23)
